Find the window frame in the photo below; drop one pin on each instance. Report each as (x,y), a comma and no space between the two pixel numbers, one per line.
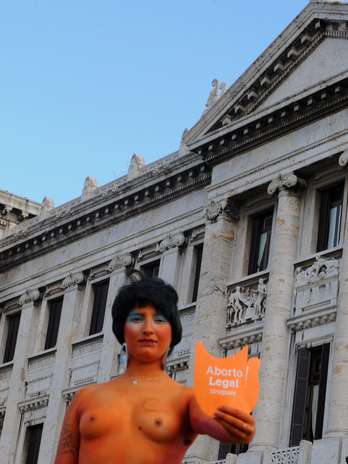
(196,270)
(6,354)
(255,236)
(56,323)
(27,447)
(323,205)
(150,265)
(95,312)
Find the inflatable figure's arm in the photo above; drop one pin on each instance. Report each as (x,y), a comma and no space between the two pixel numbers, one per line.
(69,442)
(228,425)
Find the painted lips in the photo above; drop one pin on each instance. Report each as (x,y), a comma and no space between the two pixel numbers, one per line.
(147,342)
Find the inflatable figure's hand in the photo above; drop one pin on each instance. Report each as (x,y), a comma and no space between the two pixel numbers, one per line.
(240,425)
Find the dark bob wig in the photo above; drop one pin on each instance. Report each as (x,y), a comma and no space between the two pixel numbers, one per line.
(140,293)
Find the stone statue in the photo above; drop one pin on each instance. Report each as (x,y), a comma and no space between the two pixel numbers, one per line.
(89,187)
(136,166)
(218,89)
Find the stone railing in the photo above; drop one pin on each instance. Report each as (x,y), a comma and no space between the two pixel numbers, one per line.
(38,375)
(286,456)
(316,285)
(246,301)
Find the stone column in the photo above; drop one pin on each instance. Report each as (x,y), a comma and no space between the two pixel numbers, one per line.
(108,360)
(12,420)
(170,248)
(210,315)
(338,407)
(56,406)
(276,336)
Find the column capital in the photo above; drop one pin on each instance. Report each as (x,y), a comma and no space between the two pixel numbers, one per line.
(172,241)
(29,296)
(225,207)
(286,182)
(343,159)
(120,262)
(73,280)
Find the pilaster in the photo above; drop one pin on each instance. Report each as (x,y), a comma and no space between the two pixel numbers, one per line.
(118,268)
(276,336)
(338,405)
(210,315)
(56,407)
(16,394)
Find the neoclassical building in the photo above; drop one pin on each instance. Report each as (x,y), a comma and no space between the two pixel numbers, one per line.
(248,219)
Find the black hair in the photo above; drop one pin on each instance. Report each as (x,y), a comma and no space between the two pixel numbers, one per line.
(139,293)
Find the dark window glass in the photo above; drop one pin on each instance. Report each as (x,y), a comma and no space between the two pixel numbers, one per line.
(54,313)
(11,339)
(151,269)
(236,449)
(330,218)
(100,294)
(309,394)
(260,241)
(197,256)
(33,440)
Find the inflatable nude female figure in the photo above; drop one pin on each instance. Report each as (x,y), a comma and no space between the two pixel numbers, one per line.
(143,416)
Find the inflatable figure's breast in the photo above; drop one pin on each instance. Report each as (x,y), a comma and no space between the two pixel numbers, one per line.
(157,420)
(98,422)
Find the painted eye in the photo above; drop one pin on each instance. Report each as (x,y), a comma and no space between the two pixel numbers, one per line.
(135,318)
(160,318)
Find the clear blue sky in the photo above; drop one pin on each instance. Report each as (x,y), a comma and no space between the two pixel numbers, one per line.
(84,84)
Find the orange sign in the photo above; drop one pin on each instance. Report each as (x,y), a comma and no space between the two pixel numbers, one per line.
(231,381)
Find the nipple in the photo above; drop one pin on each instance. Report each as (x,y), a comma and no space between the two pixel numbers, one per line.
(158,422)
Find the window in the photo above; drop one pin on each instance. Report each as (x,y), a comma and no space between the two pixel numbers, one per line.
(54,312)
(330,217)
(33,440)
(197,261)
(100,293)
(309,395)
(12,331)
(236,449)
(151,269)
(260,241)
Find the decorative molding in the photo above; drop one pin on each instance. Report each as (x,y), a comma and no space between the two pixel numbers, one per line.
(69,394)
(242,339)
(311,319)
(172,179)
(280,68)
(172,241)
(73,280)
(33,403)
(29,296)
(286,455)
(121,262)
(276,123)
(343,159)
(226,208)
(246,304)
(286,182)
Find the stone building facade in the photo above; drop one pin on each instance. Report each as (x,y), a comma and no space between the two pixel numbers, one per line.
(247,220)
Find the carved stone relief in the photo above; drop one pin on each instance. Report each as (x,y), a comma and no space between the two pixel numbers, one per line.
(246,304)
(317,285)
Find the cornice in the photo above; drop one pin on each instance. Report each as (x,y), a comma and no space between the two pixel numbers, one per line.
(64,226)
(310,319)
(283,119)
(33,403)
